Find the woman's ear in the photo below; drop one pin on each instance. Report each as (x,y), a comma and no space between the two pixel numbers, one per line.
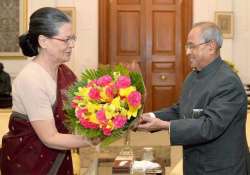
(42,41)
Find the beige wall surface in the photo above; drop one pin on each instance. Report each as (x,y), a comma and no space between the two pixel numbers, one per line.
(86,49)
(85,53)
(236,49)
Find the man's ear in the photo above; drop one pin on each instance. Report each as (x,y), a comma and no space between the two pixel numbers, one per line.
(42,41)
(213,46)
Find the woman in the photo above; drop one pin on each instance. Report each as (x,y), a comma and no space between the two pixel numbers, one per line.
(37,141)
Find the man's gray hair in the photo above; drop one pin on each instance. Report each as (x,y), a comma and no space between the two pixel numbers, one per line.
(210,31)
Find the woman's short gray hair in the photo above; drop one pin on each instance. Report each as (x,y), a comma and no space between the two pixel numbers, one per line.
(210,32)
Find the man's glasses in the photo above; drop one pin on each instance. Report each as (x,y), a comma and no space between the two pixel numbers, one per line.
(68,40)
(192,46)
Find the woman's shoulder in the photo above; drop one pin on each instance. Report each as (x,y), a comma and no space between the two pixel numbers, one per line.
(31,74)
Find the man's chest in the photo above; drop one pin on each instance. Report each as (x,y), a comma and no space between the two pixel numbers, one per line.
(195,97)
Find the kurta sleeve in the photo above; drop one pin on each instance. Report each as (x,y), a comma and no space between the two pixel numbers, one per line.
(226,101)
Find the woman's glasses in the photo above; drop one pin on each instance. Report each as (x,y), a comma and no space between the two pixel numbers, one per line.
(68,40)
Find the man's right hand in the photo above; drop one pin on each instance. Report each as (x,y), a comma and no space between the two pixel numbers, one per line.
(151,124)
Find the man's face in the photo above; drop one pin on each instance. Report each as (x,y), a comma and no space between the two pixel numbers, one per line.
(197,50)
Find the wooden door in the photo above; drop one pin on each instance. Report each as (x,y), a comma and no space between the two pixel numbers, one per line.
(151,33)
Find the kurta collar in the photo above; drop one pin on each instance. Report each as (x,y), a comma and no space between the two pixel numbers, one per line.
(209,69)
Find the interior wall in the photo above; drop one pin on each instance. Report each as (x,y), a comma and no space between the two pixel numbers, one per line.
(85,53)
(241,41)
(237,49)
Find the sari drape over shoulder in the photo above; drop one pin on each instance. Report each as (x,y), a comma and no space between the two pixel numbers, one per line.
(23,152)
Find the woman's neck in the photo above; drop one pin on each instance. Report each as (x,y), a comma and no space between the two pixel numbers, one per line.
(48,65)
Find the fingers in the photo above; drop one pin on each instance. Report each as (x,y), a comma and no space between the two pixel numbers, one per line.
(141,120)
(95,141)
(145,118)
(143,126)
(145,115)
(149,123)
(92,141)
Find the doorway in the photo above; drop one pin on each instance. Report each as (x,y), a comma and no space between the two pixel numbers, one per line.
(151,33)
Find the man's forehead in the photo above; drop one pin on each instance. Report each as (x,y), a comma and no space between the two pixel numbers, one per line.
(194,35)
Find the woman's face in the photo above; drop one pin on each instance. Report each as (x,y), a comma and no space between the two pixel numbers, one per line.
(61,45)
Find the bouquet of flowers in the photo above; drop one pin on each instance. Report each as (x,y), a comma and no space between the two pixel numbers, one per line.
(105,103)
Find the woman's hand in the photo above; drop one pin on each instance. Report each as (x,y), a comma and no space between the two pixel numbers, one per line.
(95,141)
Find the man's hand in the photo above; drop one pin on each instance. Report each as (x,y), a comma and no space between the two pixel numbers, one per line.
(151,124)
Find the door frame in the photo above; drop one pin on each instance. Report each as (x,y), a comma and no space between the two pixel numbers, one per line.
(103,37)
(103,31)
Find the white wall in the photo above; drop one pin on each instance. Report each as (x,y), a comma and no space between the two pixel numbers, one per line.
(241,41)
(236,49)
(86,49)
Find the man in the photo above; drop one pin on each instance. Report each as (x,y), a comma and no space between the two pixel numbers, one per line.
(210,118)
(5,88)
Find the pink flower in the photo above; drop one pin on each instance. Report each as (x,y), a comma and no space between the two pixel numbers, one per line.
(123,82)
(119,121)
(87,124)
(110,91)
(101,116)
(73,104)
(91,83)
(104,80)
(94,94)
(106,131)
(134,99)
(80,112)
(78,97)
(75,100)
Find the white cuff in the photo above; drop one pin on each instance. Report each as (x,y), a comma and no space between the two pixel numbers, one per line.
(151,114)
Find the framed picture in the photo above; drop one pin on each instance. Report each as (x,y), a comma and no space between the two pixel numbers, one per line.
(71,12)
(225,22)
(13,18)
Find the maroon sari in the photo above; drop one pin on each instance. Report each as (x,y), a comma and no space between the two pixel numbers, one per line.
(22,151)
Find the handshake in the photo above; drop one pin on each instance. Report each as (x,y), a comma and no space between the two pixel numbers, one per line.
(149,123)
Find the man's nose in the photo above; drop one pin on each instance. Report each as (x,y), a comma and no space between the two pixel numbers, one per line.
(72,44)
(188,51)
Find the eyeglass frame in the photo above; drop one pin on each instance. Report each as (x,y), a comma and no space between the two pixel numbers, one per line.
(193,46)
(66,41)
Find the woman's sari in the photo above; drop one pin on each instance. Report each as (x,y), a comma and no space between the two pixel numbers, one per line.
(23,152)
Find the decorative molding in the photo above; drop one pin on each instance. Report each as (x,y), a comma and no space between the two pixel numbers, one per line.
(71,12)
(225,21)
(14,23)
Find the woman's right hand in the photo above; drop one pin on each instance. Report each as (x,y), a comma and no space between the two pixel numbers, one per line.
(93,141)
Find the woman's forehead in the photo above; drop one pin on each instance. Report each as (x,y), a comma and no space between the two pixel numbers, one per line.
(65,29)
